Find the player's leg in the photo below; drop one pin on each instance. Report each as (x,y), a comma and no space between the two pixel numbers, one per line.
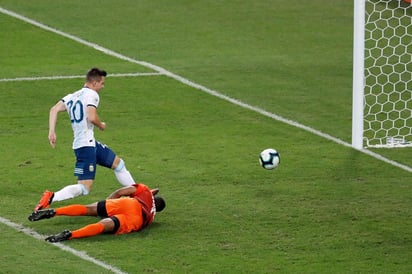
(68,192)
(106,225)
(121,172)
(70,210)
(85,170)
(77,210)
(129,219)
(107,158)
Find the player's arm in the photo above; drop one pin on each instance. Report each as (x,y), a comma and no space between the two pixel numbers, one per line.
(94,118)
(54,111)
(124,191)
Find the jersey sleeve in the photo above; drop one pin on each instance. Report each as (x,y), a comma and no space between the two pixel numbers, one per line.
(66,98)
(141,189)
(92,99)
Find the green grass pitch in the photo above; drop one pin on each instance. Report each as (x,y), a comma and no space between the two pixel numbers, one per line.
(326,209)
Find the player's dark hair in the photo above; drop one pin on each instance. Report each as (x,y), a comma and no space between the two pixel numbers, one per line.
(95,74)
(160,203)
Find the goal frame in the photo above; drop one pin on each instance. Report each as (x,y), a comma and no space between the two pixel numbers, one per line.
(359,82)
(358,92)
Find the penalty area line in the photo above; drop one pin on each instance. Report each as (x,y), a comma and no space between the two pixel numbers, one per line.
(81,254)
(60,77)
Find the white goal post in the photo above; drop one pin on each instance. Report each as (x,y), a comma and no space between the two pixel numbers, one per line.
(382,74)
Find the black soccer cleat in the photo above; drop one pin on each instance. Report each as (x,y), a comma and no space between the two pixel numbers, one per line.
(42,214)
(62,236)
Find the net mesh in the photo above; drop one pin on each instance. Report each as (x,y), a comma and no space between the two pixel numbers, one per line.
(388,74)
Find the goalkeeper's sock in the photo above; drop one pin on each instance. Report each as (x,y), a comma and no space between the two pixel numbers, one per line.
(123,175)
(70,192)
(87,231)
(72,210)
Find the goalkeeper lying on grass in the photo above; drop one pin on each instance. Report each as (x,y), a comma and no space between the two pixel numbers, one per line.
(128,209)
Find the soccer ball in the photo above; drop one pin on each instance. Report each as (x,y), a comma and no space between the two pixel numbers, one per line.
(269,158)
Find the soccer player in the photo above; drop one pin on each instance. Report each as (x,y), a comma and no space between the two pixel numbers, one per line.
(82,109)
(126,210)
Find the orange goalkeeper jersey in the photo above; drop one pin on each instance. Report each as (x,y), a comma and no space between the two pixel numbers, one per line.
(144,195)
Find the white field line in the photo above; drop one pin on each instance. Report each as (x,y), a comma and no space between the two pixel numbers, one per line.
(202,88)
(59,77)
(81,254)
(191,84)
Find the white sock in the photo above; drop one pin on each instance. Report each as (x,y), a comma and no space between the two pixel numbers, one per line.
(69,192)
(123,175)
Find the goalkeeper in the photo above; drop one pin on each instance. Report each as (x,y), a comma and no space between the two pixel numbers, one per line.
(128,209)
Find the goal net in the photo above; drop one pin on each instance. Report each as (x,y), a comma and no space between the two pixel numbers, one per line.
(387,74)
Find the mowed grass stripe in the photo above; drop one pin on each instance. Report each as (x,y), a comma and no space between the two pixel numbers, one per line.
(204,89)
